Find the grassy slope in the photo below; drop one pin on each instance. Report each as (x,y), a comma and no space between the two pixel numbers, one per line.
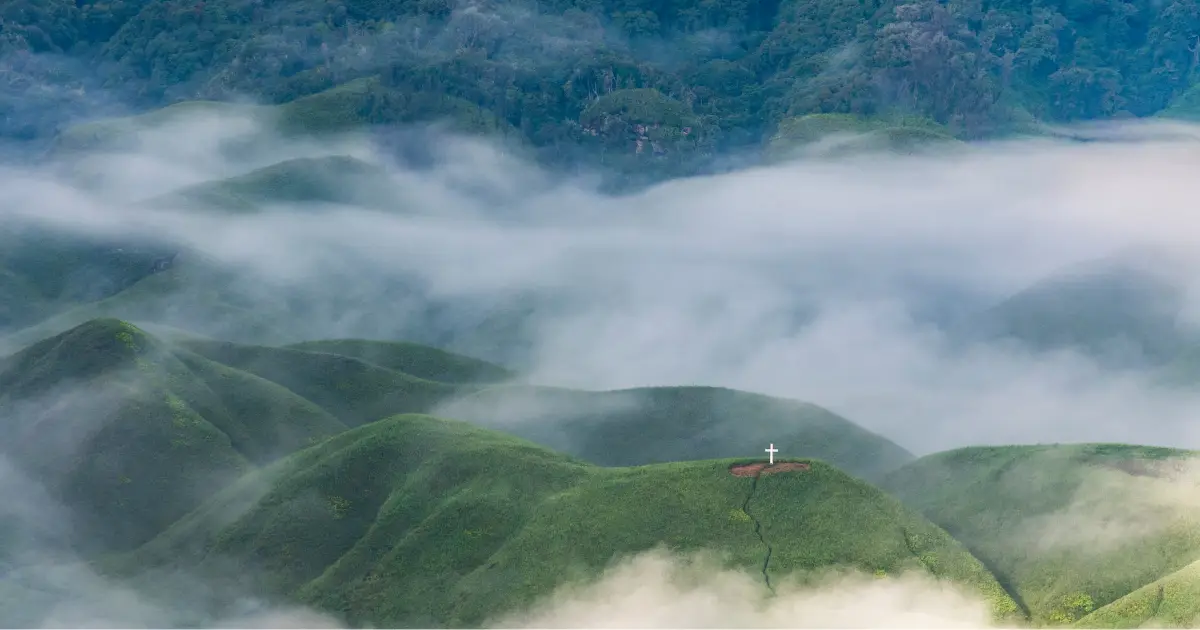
(1066,528)
(346,107)
(416,520)
(622,428)
(664,424)
(120,133)
(863,134)
(609,428)
(190,291)
(132,433)
(1120,308)
(352,389)
(329,179)
(419,361)
(43,271)
(1171,602)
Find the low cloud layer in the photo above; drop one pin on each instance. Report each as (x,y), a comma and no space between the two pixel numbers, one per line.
(659,590)
(833,281)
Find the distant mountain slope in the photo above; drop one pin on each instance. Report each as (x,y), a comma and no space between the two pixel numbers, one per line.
(130,433)
(540,68)
(189,293)
(1067,529)
(330,179)
(665,424)
(42,272)
(420,361)
(826,134)
(418,521)
(353,105)
(619,428)
(1122,309)
(351,389)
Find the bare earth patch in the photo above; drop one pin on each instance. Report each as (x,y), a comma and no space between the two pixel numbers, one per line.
(762,468)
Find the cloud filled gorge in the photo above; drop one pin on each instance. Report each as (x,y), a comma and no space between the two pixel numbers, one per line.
(837,281)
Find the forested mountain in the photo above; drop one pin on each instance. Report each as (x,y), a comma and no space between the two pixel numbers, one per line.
(633,84)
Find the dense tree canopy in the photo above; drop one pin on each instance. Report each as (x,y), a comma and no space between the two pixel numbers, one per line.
(648,84)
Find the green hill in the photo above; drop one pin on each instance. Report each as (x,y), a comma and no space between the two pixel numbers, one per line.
(1067,529)
(351,106)
(416,520)
(414,359)
(123,133)
(856,133)
(1121,309)
(130,433)
(43,271)
(1171,602)
(332,179)
(668,424)
(620,428)
(191,293)
(352,389)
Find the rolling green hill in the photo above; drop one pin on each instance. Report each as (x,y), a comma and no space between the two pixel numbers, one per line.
(191,293)
(43,271)
(619,428)
(415,520)
(856,133)
(123,133)
(348,107)
(332,179)
(130,433)
(1121,309)
(414,359)
(354,390)
(667,424)
(1067,529)
(1171,602)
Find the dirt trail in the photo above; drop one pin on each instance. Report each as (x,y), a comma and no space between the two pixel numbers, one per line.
(754,470)
(762,468)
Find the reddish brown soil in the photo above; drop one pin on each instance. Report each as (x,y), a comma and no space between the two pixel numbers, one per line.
(762,468)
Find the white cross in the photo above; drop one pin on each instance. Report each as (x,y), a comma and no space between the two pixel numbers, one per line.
(771,452)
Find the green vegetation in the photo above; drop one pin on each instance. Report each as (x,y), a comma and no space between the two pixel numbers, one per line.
(858,133)
(1121,310)
(191,291)
(649,89)
(1185,107)
(43,272)
(1171,602)
(621,428)
(132,434)
(666,424)
(368,101)
(114,134)
(414,359)
(1067,529)
(442,523)
(333,179)
(352,389)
